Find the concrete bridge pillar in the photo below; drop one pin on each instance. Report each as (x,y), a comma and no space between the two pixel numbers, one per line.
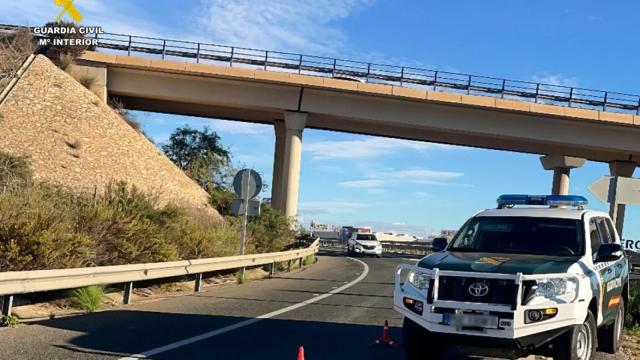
(561,166)
(277,185)
(294,125)
(624,169)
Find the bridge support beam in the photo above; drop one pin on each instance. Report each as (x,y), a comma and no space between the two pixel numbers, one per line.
(277,185)
(561,166)
(294,124)
(624,169)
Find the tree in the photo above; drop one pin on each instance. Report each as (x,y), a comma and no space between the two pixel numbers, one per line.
(200,154)
(187,146)
(63,55)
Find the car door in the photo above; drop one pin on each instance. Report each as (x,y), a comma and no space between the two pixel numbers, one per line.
(610,281)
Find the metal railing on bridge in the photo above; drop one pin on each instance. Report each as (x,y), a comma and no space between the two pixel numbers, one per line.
(367,72)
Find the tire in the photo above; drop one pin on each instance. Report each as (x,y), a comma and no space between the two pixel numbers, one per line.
(419,343)
(349,252)
(579,343)
(610,337)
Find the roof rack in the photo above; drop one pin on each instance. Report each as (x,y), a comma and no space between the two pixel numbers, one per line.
(511,200)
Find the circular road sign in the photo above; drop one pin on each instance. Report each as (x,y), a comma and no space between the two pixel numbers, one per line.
(247,183)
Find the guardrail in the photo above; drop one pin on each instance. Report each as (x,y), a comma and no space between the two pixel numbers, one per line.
(24,282)
(367,72)
(409,247)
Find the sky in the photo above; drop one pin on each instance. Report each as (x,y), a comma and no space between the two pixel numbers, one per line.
(394,185)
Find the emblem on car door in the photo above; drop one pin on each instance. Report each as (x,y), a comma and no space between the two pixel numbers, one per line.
(478,289)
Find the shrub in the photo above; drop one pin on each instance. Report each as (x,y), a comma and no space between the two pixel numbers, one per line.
(14,171)
(10,320)
(129,227)
(63,55)
(633,308)
(87,299)
(14,49)
(271,231)
(87,81)
(39,229)
(309,260)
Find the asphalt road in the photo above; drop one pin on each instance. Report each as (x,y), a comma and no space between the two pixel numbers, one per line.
(335,309)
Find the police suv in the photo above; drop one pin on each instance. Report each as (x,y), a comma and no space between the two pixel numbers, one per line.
(548,278)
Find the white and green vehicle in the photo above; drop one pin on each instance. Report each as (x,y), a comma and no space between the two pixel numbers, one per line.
(547,278)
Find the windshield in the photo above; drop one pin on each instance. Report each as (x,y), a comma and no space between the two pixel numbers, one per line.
(366,237)
(520,235)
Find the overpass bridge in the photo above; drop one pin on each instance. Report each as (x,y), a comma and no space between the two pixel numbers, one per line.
(294,92)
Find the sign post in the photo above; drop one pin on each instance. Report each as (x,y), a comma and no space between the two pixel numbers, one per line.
(247,185)
(617,191)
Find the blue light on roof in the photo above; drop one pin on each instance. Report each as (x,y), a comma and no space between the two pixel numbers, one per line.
(548,200)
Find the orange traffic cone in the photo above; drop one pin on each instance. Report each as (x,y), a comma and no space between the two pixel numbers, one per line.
(385,339)
(301,353)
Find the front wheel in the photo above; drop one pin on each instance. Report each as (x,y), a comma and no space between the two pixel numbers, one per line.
(579,343)
(419,343)
(610,338)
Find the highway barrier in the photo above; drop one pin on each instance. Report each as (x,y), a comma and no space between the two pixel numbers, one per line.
(24,282)
(401,247)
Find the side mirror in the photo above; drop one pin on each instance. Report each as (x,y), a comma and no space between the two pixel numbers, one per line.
(609,252)
(439,244)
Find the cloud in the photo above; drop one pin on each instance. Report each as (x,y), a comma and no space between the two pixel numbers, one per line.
(238,127)
(364,148)
(376,180)
(335,206)
(287,25)
(362,184)
(554,79)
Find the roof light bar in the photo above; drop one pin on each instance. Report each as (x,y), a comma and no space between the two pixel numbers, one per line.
(548,200)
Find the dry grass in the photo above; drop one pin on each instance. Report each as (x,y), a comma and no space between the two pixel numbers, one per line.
(14,49)
(87,81)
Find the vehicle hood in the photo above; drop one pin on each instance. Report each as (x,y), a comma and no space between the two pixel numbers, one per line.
(497,262)
(368,242)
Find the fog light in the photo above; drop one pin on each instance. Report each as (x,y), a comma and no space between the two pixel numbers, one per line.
(413,305)
(532,316)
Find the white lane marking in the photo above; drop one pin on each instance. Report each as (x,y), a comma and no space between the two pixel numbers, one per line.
(210,334)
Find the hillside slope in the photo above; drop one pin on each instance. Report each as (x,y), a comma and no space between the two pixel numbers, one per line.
(75,140)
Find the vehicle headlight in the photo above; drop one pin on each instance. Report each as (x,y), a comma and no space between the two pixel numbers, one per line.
(553,288)
(418,280)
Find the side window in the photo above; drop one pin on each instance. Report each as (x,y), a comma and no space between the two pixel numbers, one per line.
(605,236)
(612,230)
(594,236)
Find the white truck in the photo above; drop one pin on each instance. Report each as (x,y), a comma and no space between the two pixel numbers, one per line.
(549,278)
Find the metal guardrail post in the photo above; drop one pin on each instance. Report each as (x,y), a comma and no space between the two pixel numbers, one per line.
(537,91)
(604,104)
(435,81)
(198,54)
(504,82)
(368,70)
(198,285)
(7,304)
(128,289)
(570,96)
(129,47)
(401,75)
(333,72)
(638,111)
(300,263)
(231,58)
(272,269)
(266,59)
(289,266)
(300,65)
(164,48)
(469,86)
